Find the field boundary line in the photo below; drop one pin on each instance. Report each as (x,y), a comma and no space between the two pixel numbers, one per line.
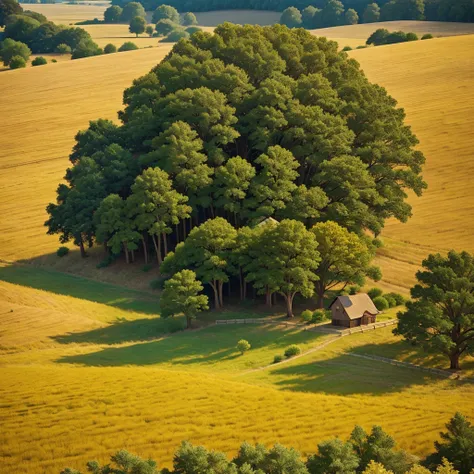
(409,365)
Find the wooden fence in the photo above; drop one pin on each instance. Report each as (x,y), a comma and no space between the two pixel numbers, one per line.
(252,321)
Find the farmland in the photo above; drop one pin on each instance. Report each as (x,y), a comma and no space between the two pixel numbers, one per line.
(87,366)
(142,385)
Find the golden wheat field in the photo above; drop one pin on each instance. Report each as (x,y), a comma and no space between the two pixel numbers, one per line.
(75,385)
(432,80)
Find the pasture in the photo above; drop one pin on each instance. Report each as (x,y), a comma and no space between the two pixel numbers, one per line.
(89,372)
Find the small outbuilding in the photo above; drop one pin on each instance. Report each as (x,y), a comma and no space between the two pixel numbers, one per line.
(353,310)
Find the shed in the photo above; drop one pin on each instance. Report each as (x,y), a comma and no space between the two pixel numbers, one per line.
(353,310)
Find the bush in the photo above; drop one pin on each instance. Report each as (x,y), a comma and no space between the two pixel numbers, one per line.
(347,48)
(192,29)
(307,315)
(146,268)
(243,346)
(411,37)
(85,49)
(391,301)
(39,61)
(278,358)
(399,299)
(354,289)
(362,46)
(381,303)
(10,49)
(189,19)
(165,27)
(17,62)
(54,60)
(63,49)
(427,36)
(158,283)
(319,316)
(292,351)
(62,251)
(176,35)
(374,292)
(107,261)
(110,48)
(128,46)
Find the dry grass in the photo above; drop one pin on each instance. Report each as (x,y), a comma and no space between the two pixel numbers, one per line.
(65,14)
(432,80)
(39,133)
(363,31)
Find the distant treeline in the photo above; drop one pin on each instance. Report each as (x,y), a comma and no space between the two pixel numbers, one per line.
(362,453)
(433,10)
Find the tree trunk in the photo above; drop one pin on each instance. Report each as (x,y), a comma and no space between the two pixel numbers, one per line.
(145,250)
(268,298)
(126,252)
(157,243)
(83,250)
(106,248)
(289,306)
(454,359)
(133,255)
(176,227)
(184,229)
(165,241)
(241,283)
(216,295)
(221,296)
(188,322)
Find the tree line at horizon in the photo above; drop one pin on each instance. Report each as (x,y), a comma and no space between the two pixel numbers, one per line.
(432,10)
(373,452)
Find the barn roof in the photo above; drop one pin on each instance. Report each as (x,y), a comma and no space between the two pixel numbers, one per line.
(356,305)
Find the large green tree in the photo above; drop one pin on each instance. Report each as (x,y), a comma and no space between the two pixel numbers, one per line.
(7,8)
(371,13)
(137,25)
(285,259)
(440,316)
(334,457)
(345,258)
(181,295)
(456,445)
(291,17)
(165,12)
(207,251)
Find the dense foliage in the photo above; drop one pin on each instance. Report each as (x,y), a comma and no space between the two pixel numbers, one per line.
(362,453)
(247,124)
(383,36)
(42,36)
(441,315)
(367,10)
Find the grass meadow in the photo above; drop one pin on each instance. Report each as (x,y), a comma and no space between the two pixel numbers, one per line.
(88,367)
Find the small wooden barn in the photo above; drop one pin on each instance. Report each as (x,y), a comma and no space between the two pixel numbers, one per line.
(353,310)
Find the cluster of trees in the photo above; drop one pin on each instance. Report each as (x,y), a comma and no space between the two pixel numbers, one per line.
(383,36)
(367,10)
(14,53)
(332,14)
(166,19)
(43,36)
(363,453)
(234,128)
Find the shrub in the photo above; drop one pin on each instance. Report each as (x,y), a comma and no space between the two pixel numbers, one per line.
(10,48)
(107,261)
(86,49)
(146,268)
(354,289)
(381,303)
(158,283)
(192,29)
(54,60)
(110,48)
(189,19)
(39,61)
(128,46)
(412,37)
(391,301)
(62,251)
(319,316)
(165,27)
(17,62)
(278,358)
(374,292)
(347,48)
(362,46)
(176,35)
(243,346)
(292,351)
(427,36)
(63,49)
(307,315)
(399,299)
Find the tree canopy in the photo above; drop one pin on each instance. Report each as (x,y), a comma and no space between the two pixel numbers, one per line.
(441,315)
